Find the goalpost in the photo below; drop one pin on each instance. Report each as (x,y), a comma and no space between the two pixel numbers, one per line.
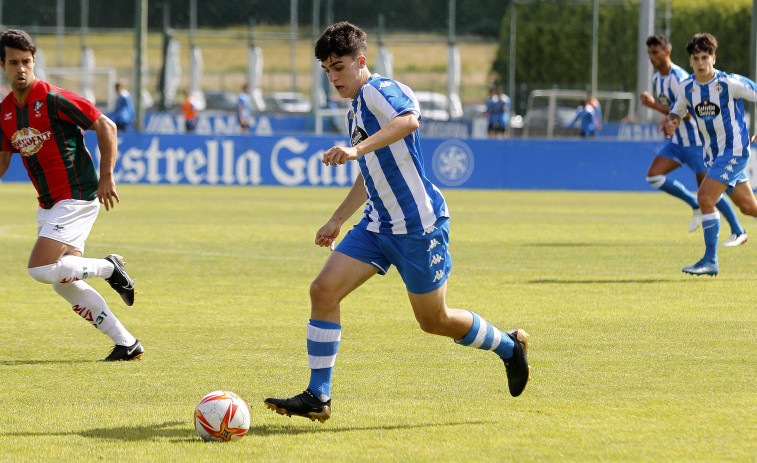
(95,84)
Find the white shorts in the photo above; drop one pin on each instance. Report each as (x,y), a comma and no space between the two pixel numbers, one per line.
(68,221)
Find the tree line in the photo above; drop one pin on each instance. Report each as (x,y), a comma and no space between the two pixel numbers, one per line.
(552,52)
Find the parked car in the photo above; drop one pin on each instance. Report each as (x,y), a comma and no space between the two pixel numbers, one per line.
(287,102)
(436,106)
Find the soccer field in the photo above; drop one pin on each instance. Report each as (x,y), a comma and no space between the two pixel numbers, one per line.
(632,360)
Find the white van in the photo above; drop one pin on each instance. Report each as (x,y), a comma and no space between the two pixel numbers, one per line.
(437,106)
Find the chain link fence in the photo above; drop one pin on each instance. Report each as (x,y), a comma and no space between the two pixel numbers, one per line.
(80,33)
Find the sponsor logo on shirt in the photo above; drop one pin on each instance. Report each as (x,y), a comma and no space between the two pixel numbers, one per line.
(358,135)
(29,140)
(8,116)
(707,110)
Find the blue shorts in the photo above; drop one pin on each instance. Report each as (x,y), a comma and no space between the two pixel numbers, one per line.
(729,170)
(423,259)
(691,156)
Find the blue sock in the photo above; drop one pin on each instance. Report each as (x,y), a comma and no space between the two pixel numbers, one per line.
(483,335)
(323,343)
(676,188)
(726,210)
(711,228)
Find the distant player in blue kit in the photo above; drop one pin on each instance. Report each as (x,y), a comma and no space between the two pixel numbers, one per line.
(586,114)
(405,223)
(715,99)
(685,145)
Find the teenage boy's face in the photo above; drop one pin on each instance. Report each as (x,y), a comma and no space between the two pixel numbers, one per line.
(657,56)
(703,65)
(344,74)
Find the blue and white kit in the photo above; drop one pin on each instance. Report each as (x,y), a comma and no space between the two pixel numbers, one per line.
(405,218)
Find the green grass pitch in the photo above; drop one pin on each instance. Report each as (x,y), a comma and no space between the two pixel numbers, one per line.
(632,360)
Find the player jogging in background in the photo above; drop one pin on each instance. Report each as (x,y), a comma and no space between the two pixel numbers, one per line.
(684,146)
(405,223)
(715,99)
(44,124)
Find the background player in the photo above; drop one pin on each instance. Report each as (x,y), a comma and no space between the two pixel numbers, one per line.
(405,223)
(715,100)
(38,121)
(685,145)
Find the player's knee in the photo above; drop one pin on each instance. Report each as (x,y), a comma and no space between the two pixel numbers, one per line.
(431,323)
(321,294)
(45,274)
(656,180)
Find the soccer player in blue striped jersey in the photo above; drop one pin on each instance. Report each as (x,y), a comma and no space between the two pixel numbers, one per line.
(715,99)
(685,145)
(405,223)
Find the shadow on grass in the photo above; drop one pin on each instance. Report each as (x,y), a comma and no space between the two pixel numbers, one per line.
(182,431)
(563,281)
(575,245)
(267,430)
(41,362)
(172,430)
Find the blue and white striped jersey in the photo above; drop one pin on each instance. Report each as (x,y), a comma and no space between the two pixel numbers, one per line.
(400,197)
(719,111)
(665,88)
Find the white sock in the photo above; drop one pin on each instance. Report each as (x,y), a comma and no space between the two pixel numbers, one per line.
(70,268)
(92,307)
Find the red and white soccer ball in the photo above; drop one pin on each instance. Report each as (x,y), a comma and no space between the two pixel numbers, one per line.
(222,416)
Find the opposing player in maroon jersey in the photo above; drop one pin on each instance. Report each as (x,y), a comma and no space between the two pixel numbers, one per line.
(45,124)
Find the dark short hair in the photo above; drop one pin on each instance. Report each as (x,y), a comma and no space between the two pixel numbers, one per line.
(341,39)
(659,40)
(18,39)
(702,43)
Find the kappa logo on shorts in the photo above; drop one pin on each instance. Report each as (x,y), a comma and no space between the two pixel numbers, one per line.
(432,244)
(724,176)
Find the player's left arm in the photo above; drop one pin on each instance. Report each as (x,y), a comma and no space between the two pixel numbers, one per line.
(5,162)
(397,129)
(742,87)
(107,141)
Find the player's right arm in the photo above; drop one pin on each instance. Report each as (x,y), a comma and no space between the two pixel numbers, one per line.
(678,110)
(5,162)
(327,234)
(648,100)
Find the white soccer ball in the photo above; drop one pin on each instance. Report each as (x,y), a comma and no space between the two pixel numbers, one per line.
(222,416)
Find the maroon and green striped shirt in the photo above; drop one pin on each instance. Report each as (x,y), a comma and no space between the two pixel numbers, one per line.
(47,130)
